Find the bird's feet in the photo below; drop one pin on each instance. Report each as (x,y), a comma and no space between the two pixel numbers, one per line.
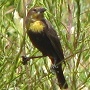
(54,68)
(25,59)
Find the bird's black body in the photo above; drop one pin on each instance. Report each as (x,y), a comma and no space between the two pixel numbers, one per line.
(43,42)
(48,43)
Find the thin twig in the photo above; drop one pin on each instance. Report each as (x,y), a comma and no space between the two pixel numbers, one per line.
(25,59)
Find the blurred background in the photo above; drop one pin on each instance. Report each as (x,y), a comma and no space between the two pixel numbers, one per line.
(71,20)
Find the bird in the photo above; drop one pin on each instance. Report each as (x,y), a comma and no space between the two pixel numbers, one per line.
(45,39)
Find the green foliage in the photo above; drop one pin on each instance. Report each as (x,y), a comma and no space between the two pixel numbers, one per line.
(71,20)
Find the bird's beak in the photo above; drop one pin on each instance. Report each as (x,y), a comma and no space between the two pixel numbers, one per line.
(41,10)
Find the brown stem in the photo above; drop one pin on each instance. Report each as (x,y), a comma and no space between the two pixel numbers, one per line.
(25,59)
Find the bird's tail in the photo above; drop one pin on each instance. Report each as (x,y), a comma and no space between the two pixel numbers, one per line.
(60,76)
(61,79)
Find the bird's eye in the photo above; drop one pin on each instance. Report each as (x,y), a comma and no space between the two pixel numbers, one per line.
(34,9)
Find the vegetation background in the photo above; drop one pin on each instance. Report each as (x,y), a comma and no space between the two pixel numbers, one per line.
(71,20)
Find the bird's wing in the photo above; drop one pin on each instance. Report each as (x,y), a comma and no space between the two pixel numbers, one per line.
(52,35)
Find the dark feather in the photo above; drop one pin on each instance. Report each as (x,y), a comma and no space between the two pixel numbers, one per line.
(53,37)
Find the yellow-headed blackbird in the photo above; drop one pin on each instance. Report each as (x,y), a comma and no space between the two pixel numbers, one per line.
(45,39)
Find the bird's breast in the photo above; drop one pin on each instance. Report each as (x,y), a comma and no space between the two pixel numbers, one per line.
(36,26)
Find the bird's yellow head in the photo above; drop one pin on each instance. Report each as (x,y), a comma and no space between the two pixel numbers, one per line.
(34,17)
(36,13)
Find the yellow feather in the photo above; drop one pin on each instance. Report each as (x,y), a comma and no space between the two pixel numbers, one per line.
(36,26)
